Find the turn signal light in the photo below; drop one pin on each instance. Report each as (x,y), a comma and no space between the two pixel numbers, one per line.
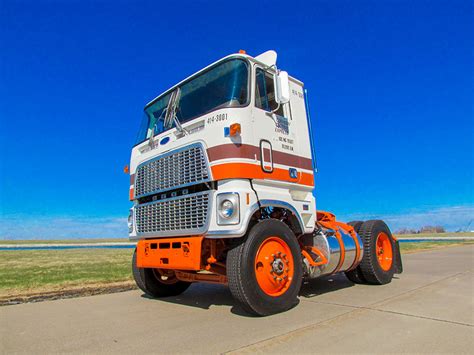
(235,129)
(126,169)
(241,51)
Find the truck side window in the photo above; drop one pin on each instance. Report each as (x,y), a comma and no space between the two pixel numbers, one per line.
(265,92)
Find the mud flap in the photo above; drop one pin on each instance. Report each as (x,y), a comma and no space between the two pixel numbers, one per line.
(398,258)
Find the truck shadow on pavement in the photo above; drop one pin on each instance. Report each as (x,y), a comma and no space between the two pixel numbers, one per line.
(204,296)
(325,284)
(201,295)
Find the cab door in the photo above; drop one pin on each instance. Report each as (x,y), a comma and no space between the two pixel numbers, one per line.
(272,124)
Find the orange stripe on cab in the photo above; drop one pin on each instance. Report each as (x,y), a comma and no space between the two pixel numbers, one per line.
(251,171)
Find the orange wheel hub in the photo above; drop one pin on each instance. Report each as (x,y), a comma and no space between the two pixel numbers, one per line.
(274,266)
(383,247)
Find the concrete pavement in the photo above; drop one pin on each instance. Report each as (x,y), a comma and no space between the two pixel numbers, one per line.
(428,309)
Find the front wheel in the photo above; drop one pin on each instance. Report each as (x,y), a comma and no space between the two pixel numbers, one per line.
(265,270)
(156,282)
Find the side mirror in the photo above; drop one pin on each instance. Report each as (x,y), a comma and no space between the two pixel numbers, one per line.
(282,88)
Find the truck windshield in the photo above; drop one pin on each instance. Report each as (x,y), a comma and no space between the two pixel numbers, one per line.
(224,85)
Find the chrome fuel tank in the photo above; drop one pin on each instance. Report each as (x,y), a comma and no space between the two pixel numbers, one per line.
(341,250)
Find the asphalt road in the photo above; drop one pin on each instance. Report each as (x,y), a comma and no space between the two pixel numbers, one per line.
(428,309)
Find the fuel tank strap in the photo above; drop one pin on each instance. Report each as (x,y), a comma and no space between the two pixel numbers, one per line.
(343,250)
(342,231)
(354,236)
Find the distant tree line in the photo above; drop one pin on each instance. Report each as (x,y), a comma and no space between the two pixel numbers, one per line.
(424,229)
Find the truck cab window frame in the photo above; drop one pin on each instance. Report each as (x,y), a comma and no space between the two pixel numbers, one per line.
(265,92)
(224,85)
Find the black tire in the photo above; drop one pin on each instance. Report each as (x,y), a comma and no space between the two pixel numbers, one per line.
(149,281)
(241,270)
(356,225)
(369,266)
(355,275)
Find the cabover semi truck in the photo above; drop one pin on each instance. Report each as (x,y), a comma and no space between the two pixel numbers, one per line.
(222,185)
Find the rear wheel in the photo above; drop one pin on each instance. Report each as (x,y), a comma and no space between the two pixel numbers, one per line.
(265,270)
(355,275)
(156,282)
(378,264)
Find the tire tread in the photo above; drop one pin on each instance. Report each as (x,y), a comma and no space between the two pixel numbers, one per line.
(241,281)
(368,266)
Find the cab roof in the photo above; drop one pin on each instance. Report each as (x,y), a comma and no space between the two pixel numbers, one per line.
(241,54)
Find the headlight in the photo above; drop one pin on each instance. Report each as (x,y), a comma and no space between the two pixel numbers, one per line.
(227,208)
(130,221)
(228,211)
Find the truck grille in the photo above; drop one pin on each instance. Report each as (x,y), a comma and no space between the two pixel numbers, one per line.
(176,169)
(177,216)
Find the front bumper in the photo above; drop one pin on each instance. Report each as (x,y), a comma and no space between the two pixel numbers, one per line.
(170,253)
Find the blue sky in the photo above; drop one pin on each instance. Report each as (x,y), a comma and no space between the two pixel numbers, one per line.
(390,85)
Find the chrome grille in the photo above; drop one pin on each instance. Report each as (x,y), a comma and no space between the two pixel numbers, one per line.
(181,215)
(176,169)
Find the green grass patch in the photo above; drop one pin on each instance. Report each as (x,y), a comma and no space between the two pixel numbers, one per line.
(420,246)
(436,235)
(65,241)
(43,269)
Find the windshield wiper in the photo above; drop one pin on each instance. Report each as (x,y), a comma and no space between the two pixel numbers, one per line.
(170,115)
(172,110)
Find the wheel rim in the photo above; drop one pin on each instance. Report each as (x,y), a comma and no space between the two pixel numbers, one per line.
(274,266)
(384,251)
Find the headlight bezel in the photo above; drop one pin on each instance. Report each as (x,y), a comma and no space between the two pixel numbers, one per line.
(130,221)
(234,218)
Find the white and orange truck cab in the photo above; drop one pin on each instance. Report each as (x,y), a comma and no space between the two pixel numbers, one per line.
(222,182)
